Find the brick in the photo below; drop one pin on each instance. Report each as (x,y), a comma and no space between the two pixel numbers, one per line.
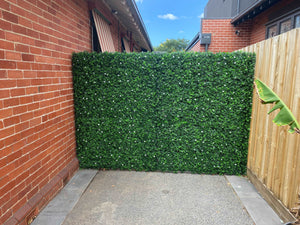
(4,93)
(21,48)
(13,56)
(38,97)
(27,39)
(35,50)
(11,102)
(26,99)
(27,57)
(40,44)
(21,161)
(18,11)
(4,113)
(13,37)
(2,144)
(18,145)
(5,219)
(4,5)
(16,172)
(30,74)
(26,116)
(44,37)
(3,74)
(19,29)
(5,25)
(10,17)
(11,121)
(24,65)
(6,132)
(24,192)
(37,82)
(38,27)
(21,127)
(6,196)
(3,172)
(32,193)
(25,22)
(33,106)
(35,121)
(39,66)
(23,82)
(1,52)
(19,110)
(35,167)
(14,74)
(5,64)
(31,90)
(14,156)
(20,215)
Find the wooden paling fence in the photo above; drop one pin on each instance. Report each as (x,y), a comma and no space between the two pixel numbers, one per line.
(274,154)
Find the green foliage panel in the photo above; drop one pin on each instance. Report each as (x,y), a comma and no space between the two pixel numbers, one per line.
(163,112)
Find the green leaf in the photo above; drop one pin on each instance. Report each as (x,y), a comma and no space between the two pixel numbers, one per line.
(285,116)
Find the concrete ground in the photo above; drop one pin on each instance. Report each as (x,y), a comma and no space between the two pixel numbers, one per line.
(129,198)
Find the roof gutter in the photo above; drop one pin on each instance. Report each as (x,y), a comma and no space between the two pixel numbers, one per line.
(253,11)
(132,5)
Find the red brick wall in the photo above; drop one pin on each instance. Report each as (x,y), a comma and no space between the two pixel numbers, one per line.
(37,131)
(223,37)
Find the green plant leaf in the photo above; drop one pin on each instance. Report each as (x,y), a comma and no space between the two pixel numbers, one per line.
(285,116)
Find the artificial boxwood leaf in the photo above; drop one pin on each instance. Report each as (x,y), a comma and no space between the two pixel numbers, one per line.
(163,112)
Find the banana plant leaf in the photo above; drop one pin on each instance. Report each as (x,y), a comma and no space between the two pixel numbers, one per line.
(285,116)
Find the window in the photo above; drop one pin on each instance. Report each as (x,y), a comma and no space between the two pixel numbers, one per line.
(297,21)
(283,24)
(272,31)
(95,42)
(126,45)
(102,30)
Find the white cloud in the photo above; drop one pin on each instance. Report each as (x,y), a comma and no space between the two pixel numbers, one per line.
(201,16)
(140,1)
(181,32)
(168,16)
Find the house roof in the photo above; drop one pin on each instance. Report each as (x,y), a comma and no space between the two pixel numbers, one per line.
(254,10)
(128,14)
(193,42)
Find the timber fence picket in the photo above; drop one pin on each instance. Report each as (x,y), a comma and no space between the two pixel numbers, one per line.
(274,154)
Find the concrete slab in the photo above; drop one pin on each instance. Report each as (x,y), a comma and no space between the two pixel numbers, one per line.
(123,197)
(56,211)
(257,207)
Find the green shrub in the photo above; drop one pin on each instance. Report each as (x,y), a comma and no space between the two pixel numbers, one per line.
(163,112)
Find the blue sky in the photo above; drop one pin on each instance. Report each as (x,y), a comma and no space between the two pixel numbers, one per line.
(171,19)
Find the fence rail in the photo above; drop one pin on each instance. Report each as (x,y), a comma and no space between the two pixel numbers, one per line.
(274,154)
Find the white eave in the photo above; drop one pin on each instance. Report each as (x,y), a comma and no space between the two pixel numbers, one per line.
(129,16)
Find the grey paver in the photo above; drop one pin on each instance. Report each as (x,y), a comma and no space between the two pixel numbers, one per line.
(56,211)
(257,207)
(123,197)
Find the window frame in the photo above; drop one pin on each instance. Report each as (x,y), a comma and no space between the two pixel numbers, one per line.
(297,14)
(277,22)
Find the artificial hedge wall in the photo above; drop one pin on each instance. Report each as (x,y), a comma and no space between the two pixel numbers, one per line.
(163,112)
